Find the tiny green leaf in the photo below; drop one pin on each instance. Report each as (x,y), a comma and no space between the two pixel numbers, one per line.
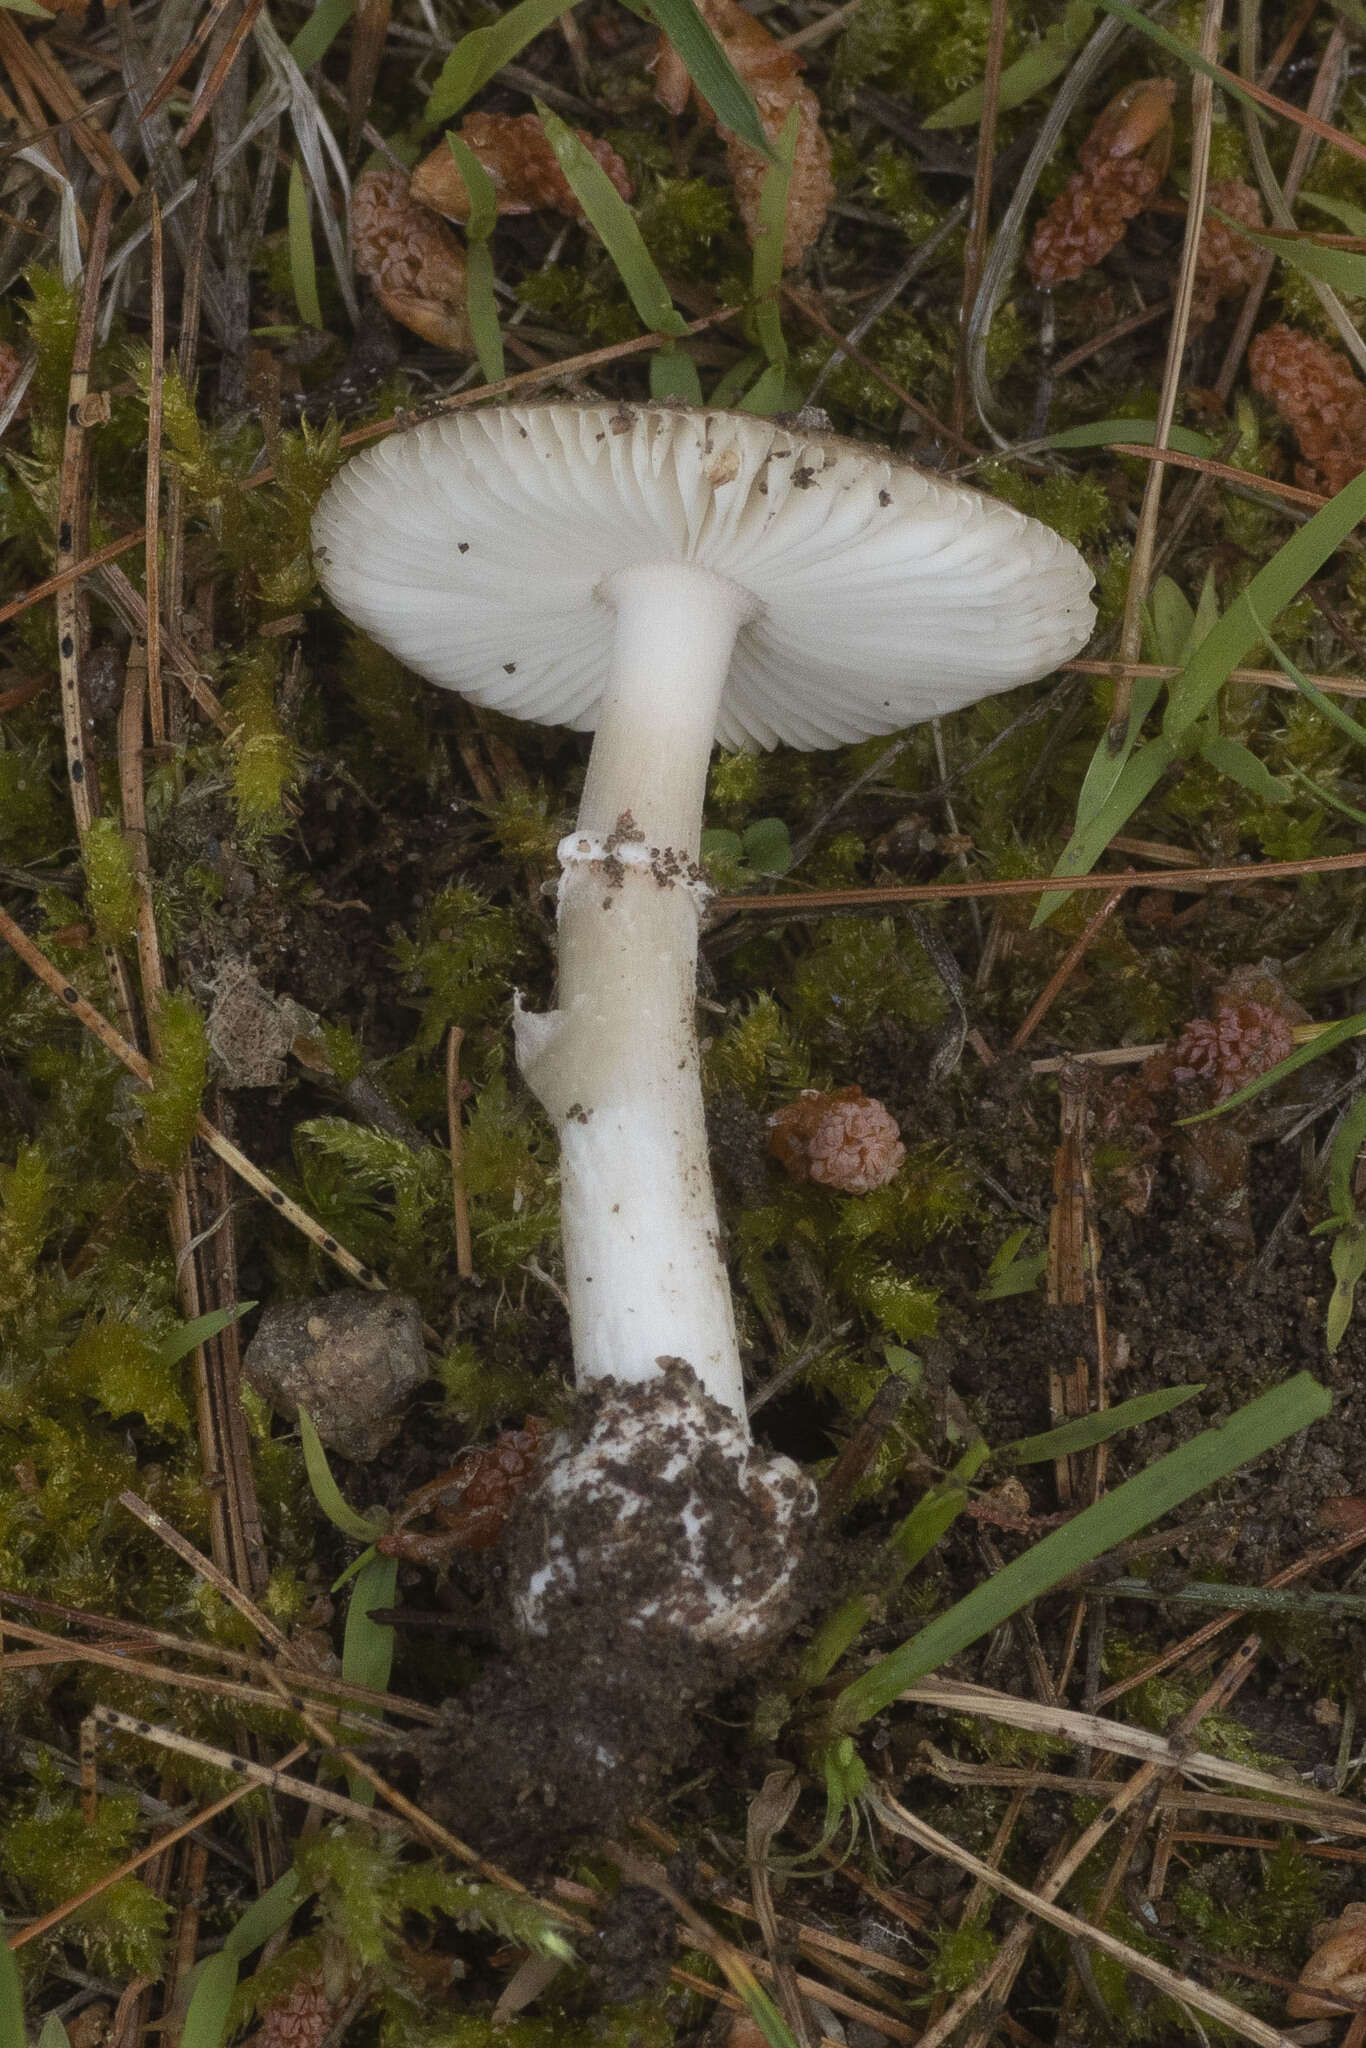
(483,52)
(320,31)
(767,846)
(1133,1506)
(1088,1430)
(11,1995)
(1347,1143)
(54,2034)
(327,1493)
(1036,69)
(768,245)
(479,296)
(1343,269)
(1010,1274)
(368,1646)
(186,1336)
(303,270)
(1141,433)
(710,69)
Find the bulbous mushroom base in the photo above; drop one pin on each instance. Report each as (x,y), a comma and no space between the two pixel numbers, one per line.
(661,1557)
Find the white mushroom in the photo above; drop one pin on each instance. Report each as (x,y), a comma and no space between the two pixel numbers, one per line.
(670,579)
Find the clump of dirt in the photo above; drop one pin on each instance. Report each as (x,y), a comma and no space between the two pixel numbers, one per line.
(653,1565)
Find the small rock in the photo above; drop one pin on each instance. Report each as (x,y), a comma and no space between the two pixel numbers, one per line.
(351,1359)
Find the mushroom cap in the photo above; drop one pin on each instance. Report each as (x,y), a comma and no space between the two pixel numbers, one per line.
(475,546)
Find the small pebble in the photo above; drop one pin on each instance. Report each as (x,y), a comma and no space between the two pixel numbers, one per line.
(352,1359)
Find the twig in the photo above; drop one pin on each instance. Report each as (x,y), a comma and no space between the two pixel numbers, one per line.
(818,900)
(1062,973)
(1184,1990)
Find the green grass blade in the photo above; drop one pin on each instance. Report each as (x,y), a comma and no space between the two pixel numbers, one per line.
(1230,757)
(1138,776)
(710,69)
(479,55)
(206,2020)
(1327,1040)
(1030,73)
(479,298)
(368,1646)
(11,1996)
(27,7)
(615,224)
(1141,433)
(327,1493)
(320,31)
(1353,218)
(1326,796)
(1189,56)
(183,1339)
(1136,1504)
(1320,699)
(1269,592)
(303,271)
(1088,1430)
(674,375)
(1351,1136)
(1343,269)
(768,246)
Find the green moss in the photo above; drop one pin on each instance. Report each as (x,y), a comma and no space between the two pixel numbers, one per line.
(27,1200)
(170,1106)
(1077,507)
(734,784)
(682,220)
(895,182)
(117,1364)
(466,954)
(959,1956)
(33,824)
(51,314)
(570,298)
(527,824)
(110,883)
(48,1852)
(757,1054)
(390,701)
(508,1178)
(934,48)
(264,758)
(480,1392)
(860,970)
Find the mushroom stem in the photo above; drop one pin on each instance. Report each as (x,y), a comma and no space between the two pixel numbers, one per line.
(616,1063)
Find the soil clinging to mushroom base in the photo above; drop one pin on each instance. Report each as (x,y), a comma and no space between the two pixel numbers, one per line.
(569,1729)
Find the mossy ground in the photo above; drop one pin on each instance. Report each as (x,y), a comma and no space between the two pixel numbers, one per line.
(377,853)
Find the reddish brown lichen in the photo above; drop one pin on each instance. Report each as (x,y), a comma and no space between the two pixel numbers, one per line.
(414,262)
(772,74)
(1225,262)
(843,1139)
(1315,389)
(515,151)
(1123,162)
